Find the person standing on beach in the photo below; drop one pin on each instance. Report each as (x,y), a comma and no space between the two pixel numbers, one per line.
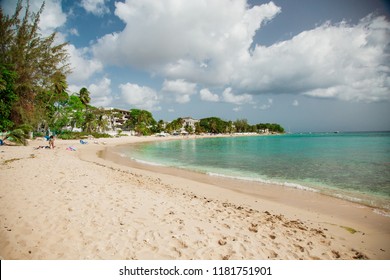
(51,142)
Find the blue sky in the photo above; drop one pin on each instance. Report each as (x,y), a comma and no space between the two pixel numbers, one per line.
(308,65)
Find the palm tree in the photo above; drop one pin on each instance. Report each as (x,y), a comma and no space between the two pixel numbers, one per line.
(89,118)
(101,120)
(84,96)
(89,122)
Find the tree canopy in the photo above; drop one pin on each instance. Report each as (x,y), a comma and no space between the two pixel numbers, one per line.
(141,121)
(31,66)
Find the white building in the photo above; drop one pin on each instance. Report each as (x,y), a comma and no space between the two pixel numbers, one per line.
(188,121)
(116,118)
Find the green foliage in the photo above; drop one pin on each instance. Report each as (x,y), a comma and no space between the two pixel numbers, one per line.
(89,124)
(214,125)
(74,111)
(40,66)
(17,136)
(66,135)
(142,122)
(7,96)
(160,126)
(272,127)
(242,126)
(26,128)
(101,121)
(84,96)
(175,125)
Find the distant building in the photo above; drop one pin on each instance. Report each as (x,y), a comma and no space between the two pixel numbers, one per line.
(188,122)
(116,118)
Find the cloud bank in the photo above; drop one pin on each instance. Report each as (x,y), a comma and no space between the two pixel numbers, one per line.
(332,61)
(211,44)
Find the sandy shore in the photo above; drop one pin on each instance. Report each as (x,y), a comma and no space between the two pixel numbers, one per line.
(92,204)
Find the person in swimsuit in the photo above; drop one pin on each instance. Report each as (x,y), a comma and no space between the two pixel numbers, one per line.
(51,142)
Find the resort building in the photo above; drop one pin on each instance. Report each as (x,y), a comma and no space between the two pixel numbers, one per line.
(116,119)
(188,122)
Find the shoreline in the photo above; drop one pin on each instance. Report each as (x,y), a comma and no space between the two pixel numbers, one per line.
(313,200)
(280,199)
(105,208)
(377,202)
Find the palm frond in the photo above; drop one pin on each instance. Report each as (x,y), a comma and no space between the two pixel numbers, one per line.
(17,136)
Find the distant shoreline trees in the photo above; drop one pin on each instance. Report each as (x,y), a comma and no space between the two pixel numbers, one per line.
(215,125)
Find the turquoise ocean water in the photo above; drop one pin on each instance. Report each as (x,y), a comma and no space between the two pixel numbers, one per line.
(352,166)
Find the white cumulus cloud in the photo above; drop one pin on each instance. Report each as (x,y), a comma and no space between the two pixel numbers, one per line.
(52,16)
(210,43)
(101,93)
(96,7)
(238,99)
(192,40)
(207,95)
(140,97)
(347,62)
(180,88)
(82,66)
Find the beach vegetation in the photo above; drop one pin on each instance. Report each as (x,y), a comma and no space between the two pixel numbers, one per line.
(73,112)
(33,68)
(17,136)
(101,120)
(214,125)
(272,127)
(160,126)
(84,96)
(242,125)
(175,125)
(189,129)
(7,96)
(66,135)
(26,129)
(142,122)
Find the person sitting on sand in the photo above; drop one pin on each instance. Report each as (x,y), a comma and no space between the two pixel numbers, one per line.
(51,142)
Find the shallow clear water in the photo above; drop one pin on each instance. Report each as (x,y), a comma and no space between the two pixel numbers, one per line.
(354,166)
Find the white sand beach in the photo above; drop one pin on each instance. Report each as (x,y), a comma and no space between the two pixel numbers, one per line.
(92,204)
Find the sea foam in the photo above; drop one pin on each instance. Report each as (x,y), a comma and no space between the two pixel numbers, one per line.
(265,181)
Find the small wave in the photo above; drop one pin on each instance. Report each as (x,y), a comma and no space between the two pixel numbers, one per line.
(347,197)
(298,186)
(124,155)
(285,184)
(381,212)
(377,204)
(146,162)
